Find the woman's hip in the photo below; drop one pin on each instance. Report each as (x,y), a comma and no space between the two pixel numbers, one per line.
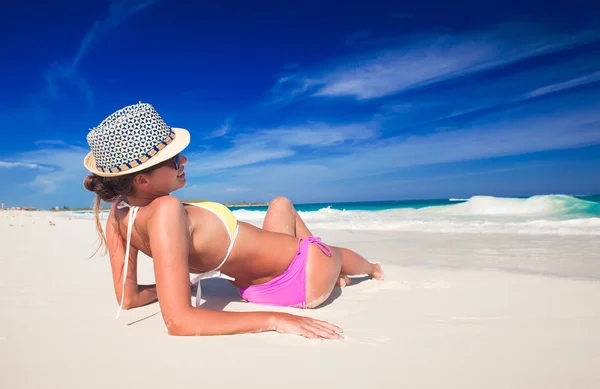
(310,275)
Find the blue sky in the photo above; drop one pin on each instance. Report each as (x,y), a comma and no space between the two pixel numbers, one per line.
(314,100)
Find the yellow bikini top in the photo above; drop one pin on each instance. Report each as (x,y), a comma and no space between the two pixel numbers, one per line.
(221,211)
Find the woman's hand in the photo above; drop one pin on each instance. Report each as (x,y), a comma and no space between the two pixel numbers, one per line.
(307,327)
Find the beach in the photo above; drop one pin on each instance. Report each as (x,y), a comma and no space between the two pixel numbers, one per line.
(456,310)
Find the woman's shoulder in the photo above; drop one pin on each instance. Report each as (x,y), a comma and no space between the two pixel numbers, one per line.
(165,201)
(164,206)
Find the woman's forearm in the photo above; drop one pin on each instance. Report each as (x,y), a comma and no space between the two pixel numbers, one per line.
(200,321)
(145,294)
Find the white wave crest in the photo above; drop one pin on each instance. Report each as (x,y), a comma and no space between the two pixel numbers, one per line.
(554,214)
(536,205)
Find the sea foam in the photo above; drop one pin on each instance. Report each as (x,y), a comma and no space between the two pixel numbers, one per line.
(550,214)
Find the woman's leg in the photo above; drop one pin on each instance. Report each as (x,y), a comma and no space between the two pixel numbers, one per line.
(323,273)
(283,217)
(354,264)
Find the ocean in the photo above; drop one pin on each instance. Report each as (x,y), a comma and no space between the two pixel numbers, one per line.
(543,214)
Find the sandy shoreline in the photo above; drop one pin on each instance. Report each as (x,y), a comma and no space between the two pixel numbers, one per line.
(426,326)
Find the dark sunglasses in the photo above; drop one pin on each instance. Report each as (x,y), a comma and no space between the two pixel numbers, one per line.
(175,161)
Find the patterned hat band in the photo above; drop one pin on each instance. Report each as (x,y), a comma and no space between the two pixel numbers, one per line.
(129,138)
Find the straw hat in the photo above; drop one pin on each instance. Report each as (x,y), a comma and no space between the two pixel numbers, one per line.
(133,138)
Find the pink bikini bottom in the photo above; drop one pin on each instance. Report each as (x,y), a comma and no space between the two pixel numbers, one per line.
(289,288)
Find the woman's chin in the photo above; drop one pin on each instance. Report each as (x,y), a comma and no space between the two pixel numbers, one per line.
(181,180)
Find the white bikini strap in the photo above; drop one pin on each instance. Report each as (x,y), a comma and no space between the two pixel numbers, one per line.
(237,227)
(133,214)
(215,273)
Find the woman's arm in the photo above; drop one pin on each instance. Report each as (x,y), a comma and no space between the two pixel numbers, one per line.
(169,242)
(135,295)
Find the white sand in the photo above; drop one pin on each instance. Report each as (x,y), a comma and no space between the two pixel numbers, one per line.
(424,327)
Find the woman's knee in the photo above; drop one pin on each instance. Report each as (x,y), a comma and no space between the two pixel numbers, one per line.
(280,201)
(281,204)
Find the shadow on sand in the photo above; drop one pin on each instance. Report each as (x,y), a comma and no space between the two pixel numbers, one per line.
(337,291)
(218,293)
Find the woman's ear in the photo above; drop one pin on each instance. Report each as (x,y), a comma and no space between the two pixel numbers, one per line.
(141,182)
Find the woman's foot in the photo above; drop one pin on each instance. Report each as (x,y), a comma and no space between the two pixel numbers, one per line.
(377,272)
(343,281)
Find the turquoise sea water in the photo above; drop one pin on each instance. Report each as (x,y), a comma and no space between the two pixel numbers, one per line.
(576,205)
(360,205)
(544,214)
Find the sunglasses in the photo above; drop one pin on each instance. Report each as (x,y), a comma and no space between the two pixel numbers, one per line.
(175,161)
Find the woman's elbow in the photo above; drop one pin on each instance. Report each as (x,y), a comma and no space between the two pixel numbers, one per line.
(177,328)
(181,324)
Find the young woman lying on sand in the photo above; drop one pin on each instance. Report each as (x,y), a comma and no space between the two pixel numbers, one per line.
(136,161)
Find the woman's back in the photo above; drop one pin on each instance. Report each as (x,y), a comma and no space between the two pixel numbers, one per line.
(258,258)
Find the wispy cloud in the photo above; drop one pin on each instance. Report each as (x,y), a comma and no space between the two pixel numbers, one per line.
(262,159)
(69,70)
(51,142)
(213,161)
(500,92)
(478,141)
(5,164)
(221,131)
(425,60)
(288,87)
(559,86)
(312,134)
(520,131)
(118,12)
(61,71)
(260,146)
(58,165)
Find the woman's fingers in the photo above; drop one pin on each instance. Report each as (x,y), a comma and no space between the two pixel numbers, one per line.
(331,334)
(322,331)
(307,333)
(328,325)
(307,327)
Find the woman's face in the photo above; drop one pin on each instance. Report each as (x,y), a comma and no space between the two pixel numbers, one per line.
(167,178)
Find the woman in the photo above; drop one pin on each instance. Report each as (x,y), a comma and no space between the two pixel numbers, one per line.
(135,162)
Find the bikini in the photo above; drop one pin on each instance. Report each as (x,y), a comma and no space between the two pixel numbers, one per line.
(287,289)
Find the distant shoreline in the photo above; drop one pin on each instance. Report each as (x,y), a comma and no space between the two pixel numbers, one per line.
(246,205)
(235,204)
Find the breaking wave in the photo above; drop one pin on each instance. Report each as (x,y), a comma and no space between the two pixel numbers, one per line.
(547,214)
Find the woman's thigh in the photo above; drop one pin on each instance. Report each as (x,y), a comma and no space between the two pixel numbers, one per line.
(322,272)
(282,217)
